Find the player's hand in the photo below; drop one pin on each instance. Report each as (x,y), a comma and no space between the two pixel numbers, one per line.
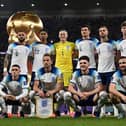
(11,97)
(84,97)
(123,98)
(49,93)
(80,94)
(24,99)
(41,94)
(5,73)
(86,94)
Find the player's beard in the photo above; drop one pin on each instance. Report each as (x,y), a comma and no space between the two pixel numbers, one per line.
(123,69)
(15,77)
(21,40)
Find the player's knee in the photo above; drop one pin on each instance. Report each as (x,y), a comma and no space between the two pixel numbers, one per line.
(67,96)
(103,94)
(59,95)
(31,94)
(2,100)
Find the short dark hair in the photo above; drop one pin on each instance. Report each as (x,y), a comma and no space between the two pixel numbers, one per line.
(123,24)
(47,54)
(43,30)
(122,57)
(84,58)
(103,26)
(16,65)
(86,25)
(63,30)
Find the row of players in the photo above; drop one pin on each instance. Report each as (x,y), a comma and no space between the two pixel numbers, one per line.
(64,50)
(85,87)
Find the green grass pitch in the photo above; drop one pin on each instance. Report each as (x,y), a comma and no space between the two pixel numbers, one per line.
(63,121)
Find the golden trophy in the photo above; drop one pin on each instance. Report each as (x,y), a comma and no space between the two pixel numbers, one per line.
(24,21)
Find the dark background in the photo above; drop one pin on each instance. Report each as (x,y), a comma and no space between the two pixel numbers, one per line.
(56,16)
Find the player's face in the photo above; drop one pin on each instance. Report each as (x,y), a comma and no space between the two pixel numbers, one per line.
(43,35)
(47,61)
(63,35)
(15,71)
(84,64)
(122,64)
(85,32)
(21,36)
(103,32)
(123,30)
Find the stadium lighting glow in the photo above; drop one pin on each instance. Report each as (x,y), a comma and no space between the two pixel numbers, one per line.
(97,3)
(2,5)
(32,4)
(65,4)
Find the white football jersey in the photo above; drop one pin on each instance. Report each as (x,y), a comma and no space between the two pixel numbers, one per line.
(39,50)
(106,56)
(49,80)
(14,87)
(85,82)
(122,47)
(87,48)
(119,80)
(20,55)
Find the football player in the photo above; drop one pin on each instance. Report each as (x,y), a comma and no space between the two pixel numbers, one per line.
(85,86)
(17,89)
(118,87)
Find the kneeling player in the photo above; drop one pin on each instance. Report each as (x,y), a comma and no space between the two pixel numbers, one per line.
(85,87)
(17,89)
(118,87)
(49,81)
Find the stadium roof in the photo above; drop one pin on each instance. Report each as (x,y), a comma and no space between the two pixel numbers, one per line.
(71,7)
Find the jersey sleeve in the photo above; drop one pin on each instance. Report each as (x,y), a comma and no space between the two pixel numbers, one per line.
(73,80)
(10,49)
(97,77)
(114,79)
(37,74)
(59,77)
(24,83)
(3,82)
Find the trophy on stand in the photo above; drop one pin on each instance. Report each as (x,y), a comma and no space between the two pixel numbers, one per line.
(24,21)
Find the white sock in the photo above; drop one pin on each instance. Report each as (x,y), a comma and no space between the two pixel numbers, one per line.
(102,111)
(9,109)
(115,111)
(93,109)
(32,108)
(19,109)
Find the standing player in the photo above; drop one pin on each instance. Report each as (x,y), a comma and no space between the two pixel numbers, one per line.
(86,45)
(17,89)
(106,51)
(18,53)
(64,51)
(121,44)
(38,50)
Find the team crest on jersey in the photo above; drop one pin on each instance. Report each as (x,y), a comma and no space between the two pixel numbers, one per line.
(44,103)
(25,83)
(68,47)
(46,50)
